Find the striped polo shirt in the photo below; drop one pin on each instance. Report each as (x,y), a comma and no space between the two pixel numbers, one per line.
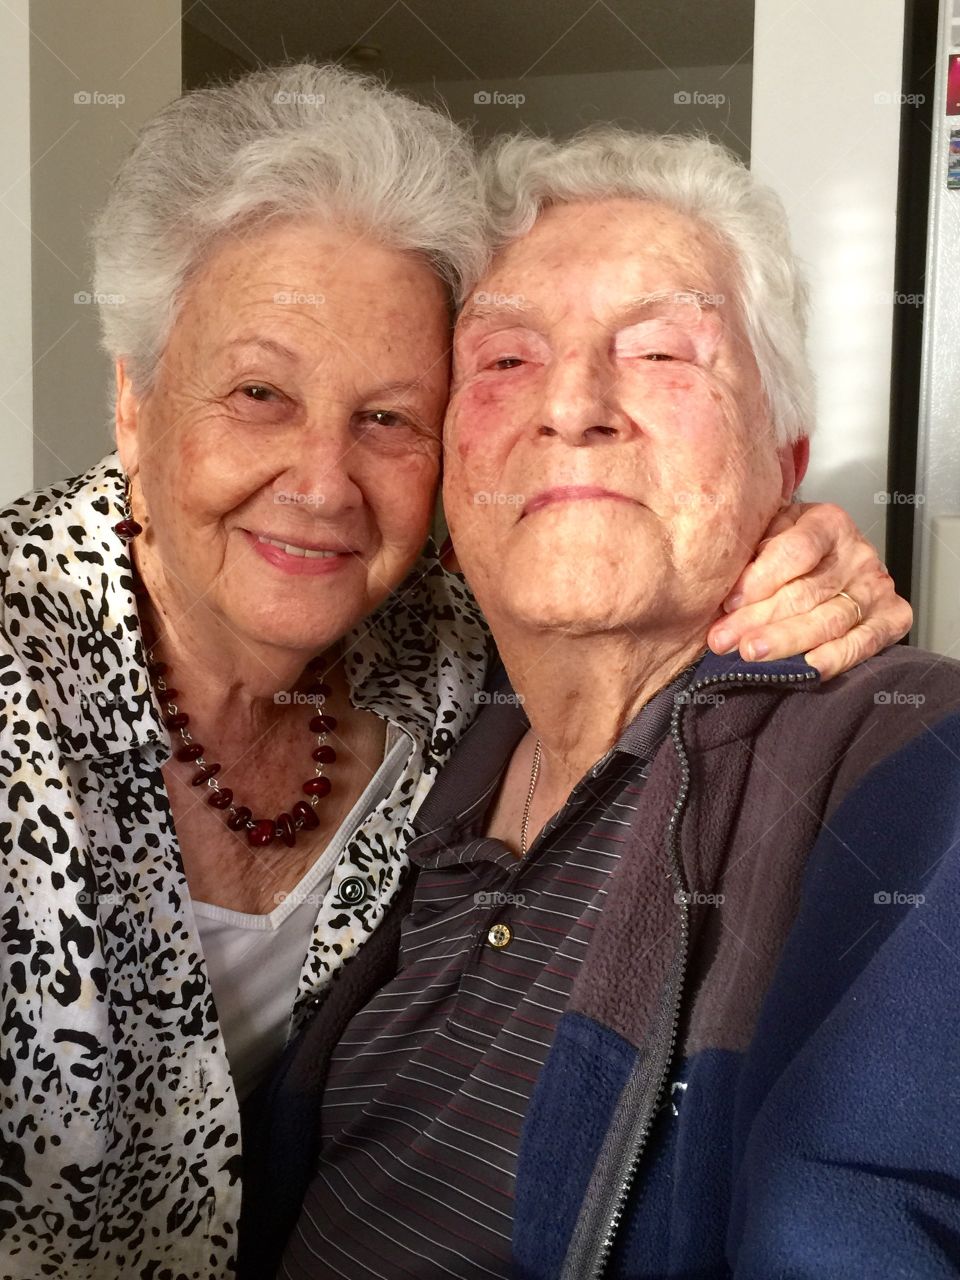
(428,1086)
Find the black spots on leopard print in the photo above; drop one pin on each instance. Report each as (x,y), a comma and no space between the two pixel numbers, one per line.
(91,557)
(19,793)
(341,920)
(13,1161)
(195,1015)
(19,729)
(214,1137)
(18,1035)
(77,939)
(17,977)
(124,1065)
(9,676)
(28,843)
(422,662)
(77,533)
(16,940)
(44,838)
(52,610)
(36,551)
(83,1181)
(90,1066)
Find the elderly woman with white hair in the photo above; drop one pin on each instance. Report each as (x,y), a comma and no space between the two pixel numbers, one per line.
(231,660)
(672,989)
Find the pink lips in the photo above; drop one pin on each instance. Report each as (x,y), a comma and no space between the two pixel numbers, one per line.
(570,493)
(294,564)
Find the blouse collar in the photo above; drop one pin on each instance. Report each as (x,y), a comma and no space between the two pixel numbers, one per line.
(70,615)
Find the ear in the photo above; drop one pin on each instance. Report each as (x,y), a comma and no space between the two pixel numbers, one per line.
(127,421)
(794,459)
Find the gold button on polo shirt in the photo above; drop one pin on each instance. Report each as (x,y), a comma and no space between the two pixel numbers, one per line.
(500,935)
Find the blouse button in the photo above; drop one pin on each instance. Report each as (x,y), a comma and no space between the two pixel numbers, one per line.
(352,890)
(500,935)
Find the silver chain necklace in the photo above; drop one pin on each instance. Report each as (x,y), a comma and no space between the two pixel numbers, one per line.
(534,775)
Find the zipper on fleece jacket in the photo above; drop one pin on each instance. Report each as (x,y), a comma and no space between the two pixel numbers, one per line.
(588,1259)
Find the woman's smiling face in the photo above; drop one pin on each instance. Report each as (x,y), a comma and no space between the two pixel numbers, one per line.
(288,452)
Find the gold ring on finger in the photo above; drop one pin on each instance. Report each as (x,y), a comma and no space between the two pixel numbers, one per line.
(847,596)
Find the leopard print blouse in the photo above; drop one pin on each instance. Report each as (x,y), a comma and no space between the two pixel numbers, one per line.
(119,1123)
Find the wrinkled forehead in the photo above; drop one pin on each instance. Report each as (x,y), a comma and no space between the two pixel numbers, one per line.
(599,254)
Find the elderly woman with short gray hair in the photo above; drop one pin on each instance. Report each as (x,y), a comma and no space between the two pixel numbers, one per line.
(231,659)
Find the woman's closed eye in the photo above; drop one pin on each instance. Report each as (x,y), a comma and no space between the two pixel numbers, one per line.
(655,342)
(501,352)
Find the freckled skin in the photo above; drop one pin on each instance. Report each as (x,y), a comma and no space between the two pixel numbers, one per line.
(591,400)
(209,461)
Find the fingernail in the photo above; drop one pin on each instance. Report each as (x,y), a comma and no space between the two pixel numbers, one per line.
(758,649)
(733,602)
(723,641)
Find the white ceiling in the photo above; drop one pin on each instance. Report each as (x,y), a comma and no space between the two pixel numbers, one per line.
(425,40)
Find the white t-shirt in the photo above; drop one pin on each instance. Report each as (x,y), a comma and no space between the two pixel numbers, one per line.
(254,961)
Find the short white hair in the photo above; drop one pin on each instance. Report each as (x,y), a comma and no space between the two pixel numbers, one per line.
(286,142)
(523,175)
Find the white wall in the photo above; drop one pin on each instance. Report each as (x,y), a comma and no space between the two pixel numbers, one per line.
(16,374)
(123,59)
(826,127)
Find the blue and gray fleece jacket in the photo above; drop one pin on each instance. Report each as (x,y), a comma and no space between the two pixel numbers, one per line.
(758,1074)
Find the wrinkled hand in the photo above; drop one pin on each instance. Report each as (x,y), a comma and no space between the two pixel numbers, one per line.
(786,600)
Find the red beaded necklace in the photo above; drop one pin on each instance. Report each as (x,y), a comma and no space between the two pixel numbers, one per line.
(260,831)
(238,817)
